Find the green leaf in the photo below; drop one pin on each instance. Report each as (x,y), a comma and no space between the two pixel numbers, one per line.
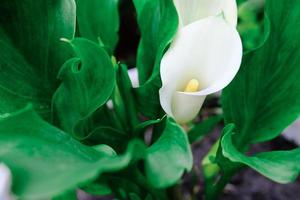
(133,196)
(109,136)
(88,82)
(124,101)
(199,131)
(147,98)
(140,128)
(169,157)
(217,169)
(241,1)
(98,20)
(139,5)
(121,186)
(98,188)
(158,23)
(70,195)
(16,89)
(45,161)
(31,52)
(264,97)
(279,166)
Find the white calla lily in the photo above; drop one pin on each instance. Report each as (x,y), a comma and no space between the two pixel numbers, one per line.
(5,183)
(190,11)
(203,59)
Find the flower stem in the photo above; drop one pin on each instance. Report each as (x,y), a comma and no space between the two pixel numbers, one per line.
(214,190)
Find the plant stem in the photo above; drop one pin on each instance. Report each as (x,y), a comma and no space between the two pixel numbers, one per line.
(215,178)
(214,190)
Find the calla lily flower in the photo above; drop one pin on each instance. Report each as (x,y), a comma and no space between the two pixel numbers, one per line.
(5,183)
(203,58)
(190,11)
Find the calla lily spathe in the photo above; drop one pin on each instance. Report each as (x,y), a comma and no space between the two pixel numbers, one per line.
(190,11)
(203,58)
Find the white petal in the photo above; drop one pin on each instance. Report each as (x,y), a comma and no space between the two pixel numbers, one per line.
(5,183)
(209,50)
(133,75)
(186,107)
(229,8)
(190,11)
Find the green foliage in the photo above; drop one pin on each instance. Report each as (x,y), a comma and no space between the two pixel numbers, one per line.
(45,161)
(31,146)
(169,156)
(72,195)
(263,99)
(69,82)
(240,1)
(124,99)
(279,166)
(87,83)
(158,23)
(98,188)
(31,52)
(98,20)
(70,118)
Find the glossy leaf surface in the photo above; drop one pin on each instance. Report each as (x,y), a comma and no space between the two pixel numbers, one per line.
(264,97)
(46,162)
(279,166)
(31,52)
(88,82)
(158,23)
(98,20)
(170,156)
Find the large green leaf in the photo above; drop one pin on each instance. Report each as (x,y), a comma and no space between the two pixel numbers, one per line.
(158,23)
(139,5)
(169,157)
(279,166)
(17,86)
(31,52)
(46,162)
(264,97)
(88,82)
(147,98)
(109,136)
(98,20)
